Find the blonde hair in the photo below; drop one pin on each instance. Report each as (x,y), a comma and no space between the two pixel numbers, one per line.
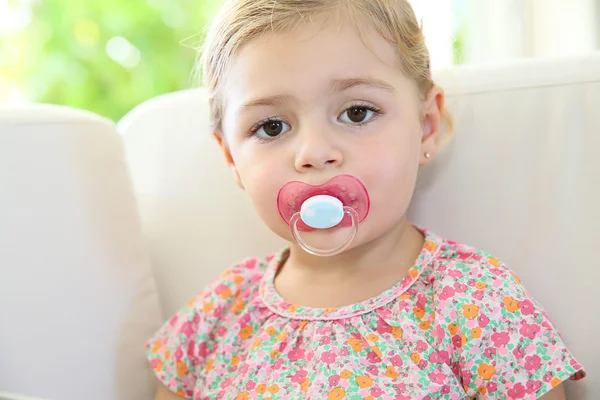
(240,21)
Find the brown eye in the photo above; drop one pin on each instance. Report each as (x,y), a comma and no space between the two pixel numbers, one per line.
(271,129)
(357,114)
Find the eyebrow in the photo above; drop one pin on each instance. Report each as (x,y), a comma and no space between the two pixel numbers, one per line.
(336,86)
(340,85)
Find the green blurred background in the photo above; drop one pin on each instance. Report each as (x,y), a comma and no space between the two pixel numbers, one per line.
(105,56)
(108,56)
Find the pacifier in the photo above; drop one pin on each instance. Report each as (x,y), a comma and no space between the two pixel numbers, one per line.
(341,202)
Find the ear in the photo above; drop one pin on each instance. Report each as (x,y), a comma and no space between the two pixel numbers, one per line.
(432,124)
(228,158)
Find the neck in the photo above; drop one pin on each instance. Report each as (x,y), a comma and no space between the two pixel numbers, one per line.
(400,245)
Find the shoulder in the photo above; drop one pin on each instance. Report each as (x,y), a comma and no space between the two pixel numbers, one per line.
(231,292)
(219,304)
(474,289)
(468,271)
(183,343)
(501,334)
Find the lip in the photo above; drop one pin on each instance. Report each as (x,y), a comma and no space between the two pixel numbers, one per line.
(346,188)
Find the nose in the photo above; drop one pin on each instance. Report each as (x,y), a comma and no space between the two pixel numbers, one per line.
(317,151)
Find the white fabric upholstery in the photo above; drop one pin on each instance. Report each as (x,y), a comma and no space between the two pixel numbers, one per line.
(197,221)
(77,296)
(520,180)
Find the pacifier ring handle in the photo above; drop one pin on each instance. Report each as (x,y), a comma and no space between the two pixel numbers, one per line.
(326,252)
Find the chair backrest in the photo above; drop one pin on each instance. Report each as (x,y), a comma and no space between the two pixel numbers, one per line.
(77,295)
(520,180)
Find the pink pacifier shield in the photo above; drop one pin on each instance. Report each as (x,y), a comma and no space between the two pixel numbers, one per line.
(346,188)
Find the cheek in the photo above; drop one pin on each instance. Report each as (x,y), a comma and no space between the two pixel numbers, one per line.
(393,176)
(262,180)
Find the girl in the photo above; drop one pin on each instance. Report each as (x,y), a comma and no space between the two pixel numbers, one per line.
(325,110)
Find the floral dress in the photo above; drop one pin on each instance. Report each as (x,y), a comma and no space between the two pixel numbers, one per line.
(459,326)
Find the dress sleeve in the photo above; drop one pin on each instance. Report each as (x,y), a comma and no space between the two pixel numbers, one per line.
(508,346)
(178,349)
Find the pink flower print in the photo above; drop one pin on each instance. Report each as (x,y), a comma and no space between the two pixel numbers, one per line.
(296,354)
(187,329)
(376,392)
(548,377)
(220,288)
(250,263)
(446,293)
(546,324)
(483,320)
(324,330)
(344,352)
(396,361)
(328,357)
(244,369)
(437,378)
(221,331)
(445,389)
(282,346)
(467,376)
(278,364)
(325,340)
(530,331)
(526,307)
(178,354)
(421,346)
(439,332)
(372,369)
(439,357)
(334,380)
(250,385)
(492,387)
(519,352)
(244,319)
(400,387)
(490,352)
(532,387)
(455,273)
(421,301)
(532,363)
(173,321)
(299,376)
(460,288)
(423,364)
(191,349)
(500,338)
(478,295)
(226,383)
(455,369)
(517,392)
(383,327)
(457,341)
(373,358)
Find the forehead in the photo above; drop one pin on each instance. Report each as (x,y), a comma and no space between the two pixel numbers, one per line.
(302,62)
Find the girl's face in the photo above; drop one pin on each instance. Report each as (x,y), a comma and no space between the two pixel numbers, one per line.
(317,103)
